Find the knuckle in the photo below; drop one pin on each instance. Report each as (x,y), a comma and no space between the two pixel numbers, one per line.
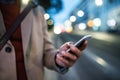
(75,58)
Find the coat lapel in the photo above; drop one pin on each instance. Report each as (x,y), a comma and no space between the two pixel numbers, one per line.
(26,27)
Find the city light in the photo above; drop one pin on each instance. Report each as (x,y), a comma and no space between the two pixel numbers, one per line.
(47,16)
(67,23)
(97,22)
(90,23)
(82,26)
(72,18)
(50,22)
(25,2)
(57,30)
(80,13)
(68,29)
(111,22)
(99,2)
(68,26)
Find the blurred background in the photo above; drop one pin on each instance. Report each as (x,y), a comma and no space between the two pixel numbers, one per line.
(69,20)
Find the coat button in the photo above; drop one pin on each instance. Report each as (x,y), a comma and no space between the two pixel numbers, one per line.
(8,49)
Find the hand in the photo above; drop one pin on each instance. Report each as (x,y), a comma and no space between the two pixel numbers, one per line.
(67,59)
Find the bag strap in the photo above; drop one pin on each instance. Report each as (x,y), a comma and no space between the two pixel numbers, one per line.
(12,29)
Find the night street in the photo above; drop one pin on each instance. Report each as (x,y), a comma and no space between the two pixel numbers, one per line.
(36,39)
(100,60)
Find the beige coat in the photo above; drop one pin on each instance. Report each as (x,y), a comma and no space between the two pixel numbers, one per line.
(37,47)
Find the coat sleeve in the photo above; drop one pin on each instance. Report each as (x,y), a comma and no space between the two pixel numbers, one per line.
(49,49)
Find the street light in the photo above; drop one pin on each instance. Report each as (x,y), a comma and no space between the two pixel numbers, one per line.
(99,2)
(82,26)
(47,16)
(97,22)
(80,13)
(72,18)
(25,2)
(111,22)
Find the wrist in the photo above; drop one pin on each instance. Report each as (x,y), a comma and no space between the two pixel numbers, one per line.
(61,68)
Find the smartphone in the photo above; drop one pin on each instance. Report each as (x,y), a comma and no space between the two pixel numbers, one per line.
(80,42)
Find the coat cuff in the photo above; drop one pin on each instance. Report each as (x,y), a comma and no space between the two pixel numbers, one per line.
(61,69)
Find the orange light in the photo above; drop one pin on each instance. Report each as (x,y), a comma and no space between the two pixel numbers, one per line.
(90,23)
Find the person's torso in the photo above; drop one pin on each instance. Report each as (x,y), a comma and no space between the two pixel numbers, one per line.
(30,34)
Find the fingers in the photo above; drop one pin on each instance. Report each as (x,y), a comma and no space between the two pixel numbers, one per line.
(83,45)
(65,46)
(66,60)
(74,51)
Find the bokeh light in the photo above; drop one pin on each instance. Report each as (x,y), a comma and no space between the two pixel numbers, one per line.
(80,13)
(72,18)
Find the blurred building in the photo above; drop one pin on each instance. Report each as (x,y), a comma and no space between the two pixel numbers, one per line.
(97,15)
